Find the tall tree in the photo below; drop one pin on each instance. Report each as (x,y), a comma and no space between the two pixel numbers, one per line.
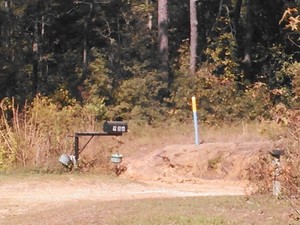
(237,13)
(35,60)
(39,20)
(248,40)
(8,62)
(193,35)
(163,44)
(7,27)
(86,27)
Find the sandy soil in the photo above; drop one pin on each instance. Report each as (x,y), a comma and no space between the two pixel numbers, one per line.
(20,196)
(211,169)
(41,195)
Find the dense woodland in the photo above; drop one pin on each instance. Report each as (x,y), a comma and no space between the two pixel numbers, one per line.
(108,52)
(141,60)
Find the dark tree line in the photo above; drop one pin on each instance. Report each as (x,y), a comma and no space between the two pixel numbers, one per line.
(93,48)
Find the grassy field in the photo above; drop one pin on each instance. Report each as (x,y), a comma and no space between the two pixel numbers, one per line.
(204,210)
(258,210)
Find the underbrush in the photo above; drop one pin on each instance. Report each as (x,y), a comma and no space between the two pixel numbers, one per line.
(39,132)
(35,136)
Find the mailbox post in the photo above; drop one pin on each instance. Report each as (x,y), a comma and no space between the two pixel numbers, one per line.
(110,128)
(276,154)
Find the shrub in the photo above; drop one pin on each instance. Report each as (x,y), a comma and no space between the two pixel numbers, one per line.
(219,99)
(141,99)
(37,134)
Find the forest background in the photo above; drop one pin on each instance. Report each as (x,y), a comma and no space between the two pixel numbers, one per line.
(69,65)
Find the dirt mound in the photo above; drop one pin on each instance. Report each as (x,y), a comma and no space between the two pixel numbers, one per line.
(193,164)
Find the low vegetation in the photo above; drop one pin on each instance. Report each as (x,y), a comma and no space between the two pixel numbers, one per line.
(206,211)
(33,137)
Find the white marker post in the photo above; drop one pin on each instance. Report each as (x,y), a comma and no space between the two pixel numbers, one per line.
(194,108)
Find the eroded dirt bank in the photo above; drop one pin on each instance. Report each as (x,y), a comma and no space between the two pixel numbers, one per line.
(194,164)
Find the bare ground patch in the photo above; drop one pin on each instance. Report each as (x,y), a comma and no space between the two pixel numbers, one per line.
(172,171)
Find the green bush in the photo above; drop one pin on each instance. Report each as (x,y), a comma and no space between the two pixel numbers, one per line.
(218,99)
(38,134)
(141,99)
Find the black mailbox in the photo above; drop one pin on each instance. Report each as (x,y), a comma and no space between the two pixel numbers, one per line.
(277,153)
(115,127)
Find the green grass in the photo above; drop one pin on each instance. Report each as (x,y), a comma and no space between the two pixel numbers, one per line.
(258,210)
(170,220)
(204,211)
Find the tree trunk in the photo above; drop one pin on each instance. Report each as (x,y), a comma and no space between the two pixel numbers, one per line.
(248,41)
(237,13)
(193,36)
(35,60)
(149,17)
(7,26)
(85,42)
(42,59)
(163,34)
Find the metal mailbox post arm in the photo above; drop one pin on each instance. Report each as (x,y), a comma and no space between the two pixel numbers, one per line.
(76,147)
(92,134)
(110,128)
